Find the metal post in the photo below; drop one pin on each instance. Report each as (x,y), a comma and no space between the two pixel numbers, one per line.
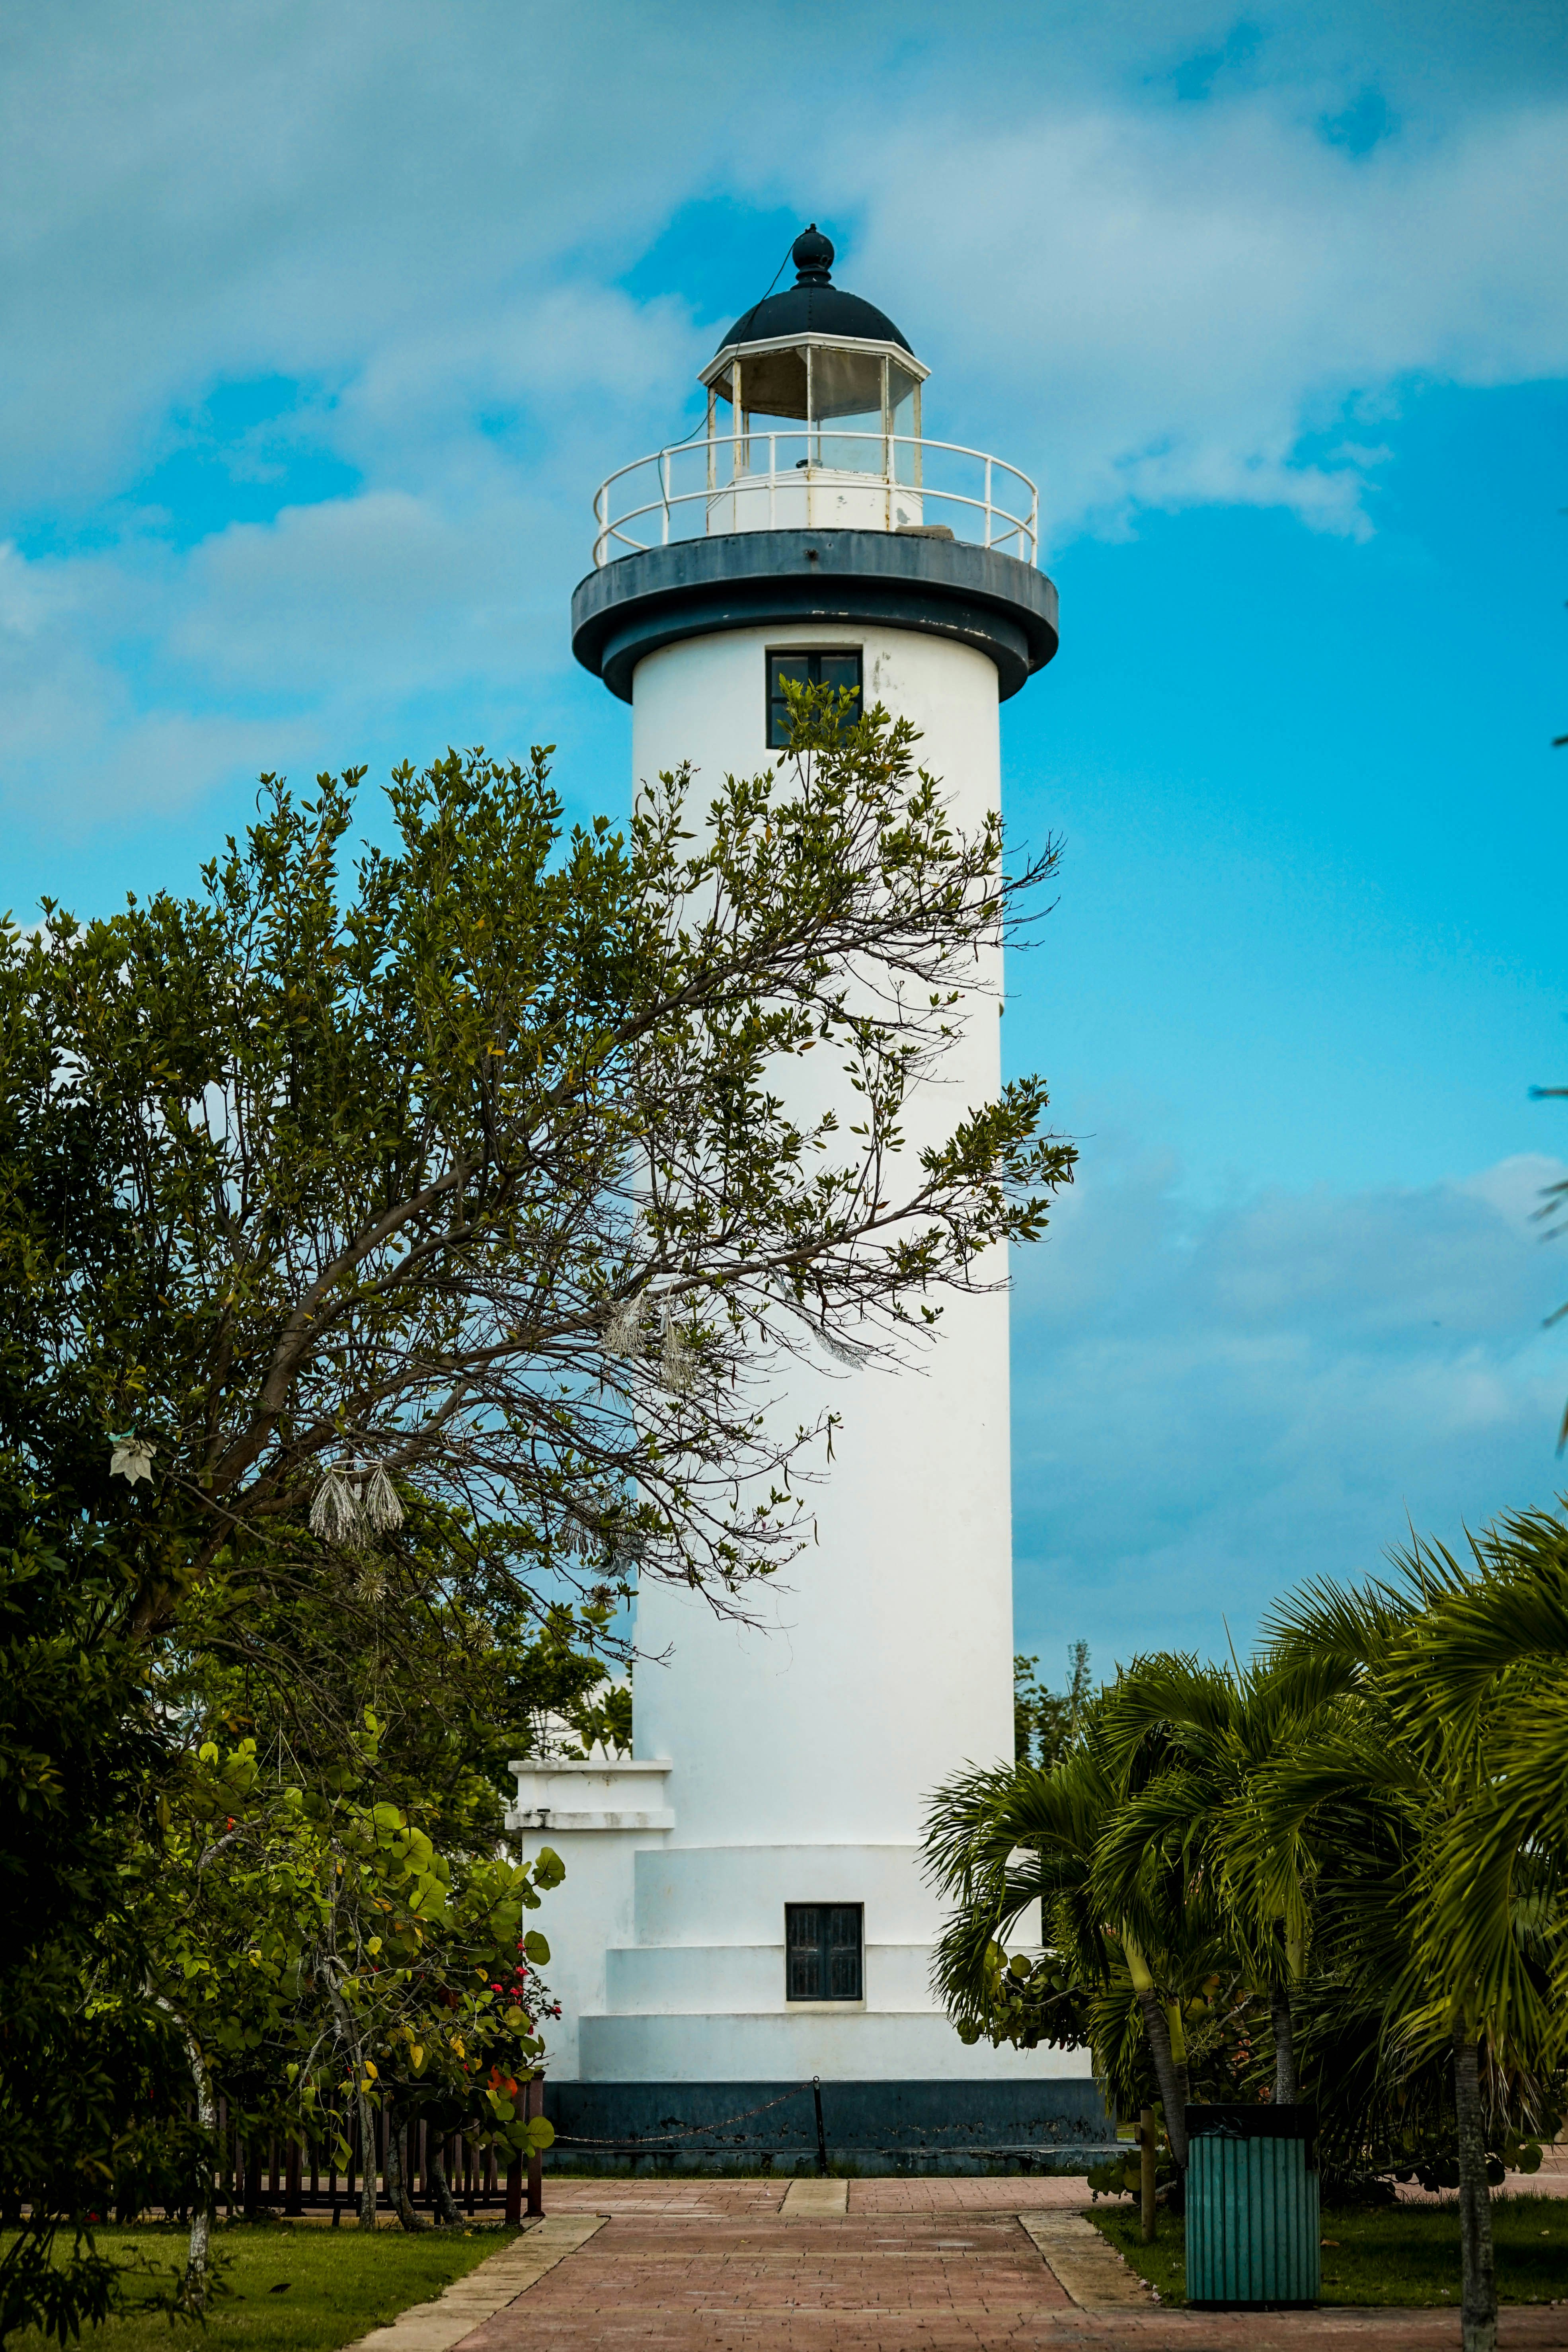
(664,489)
(1146,2171)
(987,502)
(821,2133)
(774,481)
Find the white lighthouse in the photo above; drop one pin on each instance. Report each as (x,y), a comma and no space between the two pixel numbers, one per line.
(743,1912)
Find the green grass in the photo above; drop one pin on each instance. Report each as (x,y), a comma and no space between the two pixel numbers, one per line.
(291,2287)
(1397,2254)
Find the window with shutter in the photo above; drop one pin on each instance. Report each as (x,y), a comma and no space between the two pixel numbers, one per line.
(823,1948)
(838,668)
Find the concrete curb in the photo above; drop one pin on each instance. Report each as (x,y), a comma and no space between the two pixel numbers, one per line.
(809,2200)
(489,2287)
(1086,2264)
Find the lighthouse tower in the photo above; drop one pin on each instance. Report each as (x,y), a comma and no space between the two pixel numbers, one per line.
(743,1912)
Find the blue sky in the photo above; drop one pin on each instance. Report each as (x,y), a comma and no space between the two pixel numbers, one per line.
(324,322)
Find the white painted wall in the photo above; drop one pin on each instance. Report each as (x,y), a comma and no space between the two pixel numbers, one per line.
(810,498)
(595,1817)
(888,1662)
(800,1754)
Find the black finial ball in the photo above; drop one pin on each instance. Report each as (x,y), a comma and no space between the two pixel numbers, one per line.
(812,254)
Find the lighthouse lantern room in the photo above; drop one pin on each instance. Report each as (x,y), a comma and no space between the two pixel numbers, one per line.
(744,1909)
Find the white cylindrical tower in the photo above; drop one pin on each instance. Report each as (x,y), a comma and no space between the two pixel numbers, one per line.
(772,1923)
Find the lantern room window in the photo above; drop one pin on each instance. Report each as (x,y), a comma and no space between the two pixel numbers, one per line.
(836,666)
(824,1943)
(810,404)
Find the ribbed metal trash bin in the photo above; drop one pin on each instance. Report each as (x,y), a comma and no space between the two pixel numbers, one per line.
(1252,2208)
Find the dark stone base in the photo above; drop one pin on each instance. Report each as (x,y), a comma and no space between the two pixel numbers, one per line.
(662,2128)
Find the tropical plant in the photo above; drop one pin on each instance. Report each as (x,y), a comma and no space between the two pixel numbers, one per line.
(1127,1958)
(318,1957)
(1440,1894)
(1045,1721)
(1191,1744)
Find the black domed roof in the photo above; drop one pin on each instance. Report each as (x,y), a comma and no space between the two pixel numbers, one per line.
(814,305)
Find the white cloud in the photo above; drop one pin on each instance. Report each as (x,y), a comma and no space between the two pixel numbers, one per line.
(1214,1405)
(418,219)
(1171,301)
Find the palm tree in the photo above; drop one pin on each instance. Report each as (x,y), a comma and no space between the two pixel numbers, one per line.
(1489,1659)
(1189,1742)
(1450,1934)
(1001,1842)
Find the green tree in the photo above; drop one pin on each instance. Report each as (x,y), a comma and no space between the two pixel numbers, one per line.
(1127,1958)
(317,1955)
(414,1176)
(80,1744)
(1046,1721)
(460,1184)
(1192,1743)
(1447,1940)
(1489,1660)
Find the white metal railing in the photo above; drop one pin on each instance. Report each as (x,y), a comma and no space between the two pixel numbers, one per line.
(754,481)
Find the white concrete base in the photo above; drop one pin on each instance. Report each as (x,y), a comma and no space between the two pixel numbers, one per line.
(668,1961)
(846,2044)
(597,1816)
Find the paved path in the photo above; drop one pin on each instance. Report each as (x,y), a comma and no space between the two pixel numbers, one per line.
(490,2286)
(928,2265)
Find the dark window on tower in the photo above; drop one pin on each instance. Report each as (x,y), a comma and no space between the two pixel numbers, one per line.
(822,1950)
(839,667)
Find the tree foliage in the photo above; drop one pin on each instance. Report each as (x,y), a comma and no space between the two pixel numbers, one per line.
(427,1167)
(1045,1721)
(398,1251)
(1339,1873)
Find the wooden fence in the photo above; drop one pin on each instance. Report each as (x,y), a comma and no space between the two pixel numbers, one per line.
(280,2175)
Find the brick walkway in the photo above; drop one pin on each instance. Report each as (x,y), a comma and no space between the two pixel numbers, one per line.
(928,2265)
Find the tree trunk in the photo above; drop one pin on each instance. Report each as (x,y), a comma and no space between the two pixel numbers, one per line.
(446,2207)
(398,2195)
(1146,2173)
(1287,2083)
(204,2203)
(1478,2310)
(1174,2028)
(1172,2089)
(367,2151)
(350,2042)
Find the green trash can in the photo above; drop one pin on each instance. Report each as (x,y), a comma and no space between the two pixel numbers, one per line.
(1252,2208)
